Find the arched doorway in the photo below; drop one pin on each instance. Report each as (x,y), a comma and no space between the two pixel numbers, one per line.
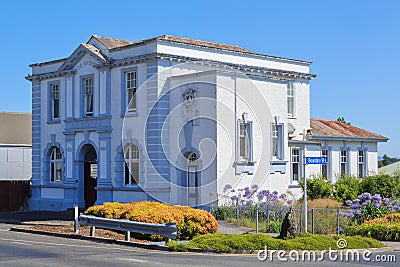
(192,179)
(90,175)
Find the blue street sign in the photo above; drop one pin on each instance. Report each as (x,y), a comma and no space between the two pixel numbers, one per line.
(316,160)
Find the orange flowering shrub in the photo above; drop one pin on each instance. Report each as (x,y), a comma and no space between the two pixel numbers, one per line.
(190,222)
(389,218)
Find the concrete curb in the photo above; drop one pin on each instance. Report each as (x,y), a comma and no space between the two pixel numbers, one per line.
(164,248)
(89,238)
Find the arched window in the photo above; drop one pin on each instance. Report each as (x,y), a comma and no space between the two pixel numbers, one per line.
(55,165)
(131,154)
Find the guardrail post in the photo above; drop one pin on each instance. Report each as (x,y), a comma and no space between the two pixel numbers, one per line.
(92,229)
(76,219)
(128,236)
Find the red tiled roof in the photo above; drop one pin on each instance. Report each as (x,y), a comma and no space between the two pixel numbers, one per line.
(331,128)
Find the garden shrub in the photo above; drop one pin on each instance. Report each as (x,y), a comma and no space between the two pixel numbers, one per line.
(347,187)
(379,231)
(367,207)
(389,218)
(229,243)
(318,187)
(386,185)
(190,222)
(274,227)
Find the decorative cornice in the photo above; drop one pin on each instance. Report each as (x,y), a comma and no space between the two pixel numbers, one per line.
(249,70)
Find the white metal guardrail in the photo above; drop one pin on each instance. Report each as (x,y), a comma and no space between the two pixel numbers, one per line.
(167,230)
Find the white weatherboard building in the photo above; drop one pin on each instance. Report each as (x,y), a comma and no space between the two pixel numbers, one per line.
(174,120)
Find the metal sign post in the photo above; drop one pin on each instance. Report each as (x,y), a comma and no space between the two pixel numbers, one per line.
(309,160)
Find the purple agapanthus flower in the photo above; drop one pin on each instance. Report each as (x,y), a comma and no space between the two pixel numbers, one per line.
(234,198)
(377,198)
(247,192)
(348,202)
(227,187)
(254,187)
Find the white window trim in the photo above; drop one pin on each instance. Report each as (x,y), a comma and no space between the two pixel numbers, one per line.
(299,161)
(55,94)
(128,160)
(325,165)
(361,163)
(129,88)
(249,132)
(346,162)
(279,142)
(53,165)
(86,90)
(290,95)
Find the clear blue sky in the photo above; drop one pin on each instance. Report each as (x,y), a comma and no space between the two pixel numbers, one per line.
(355,45)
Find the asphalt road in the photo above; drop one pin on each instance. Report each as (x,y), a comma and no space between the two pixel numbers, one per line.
(21,249)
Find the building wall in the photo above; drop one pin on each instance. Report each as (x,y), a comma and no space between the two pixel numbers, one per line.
(335,147)
(163,129)
(15,163)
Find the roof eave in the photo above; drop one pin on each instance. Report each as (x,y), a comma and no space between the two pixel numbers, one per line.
(341,138)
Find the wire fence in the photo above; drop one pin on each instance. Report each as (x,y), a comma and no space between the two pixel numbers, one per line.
(266,218)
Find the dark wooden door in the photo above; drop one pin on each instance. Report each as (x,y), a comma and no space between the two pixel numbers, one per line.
(90,186)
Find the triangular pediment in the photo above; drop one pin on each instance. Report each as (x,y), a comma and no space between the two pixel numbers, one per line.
(79,53)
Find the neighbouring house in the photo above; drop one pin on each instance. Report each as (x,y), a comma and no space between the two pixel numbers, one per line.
(349,150)
(15,160)
(175,119)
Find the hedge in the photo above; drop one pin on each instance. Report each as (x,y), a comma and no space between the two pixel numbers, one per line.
(381,231)
(232,242)
(386,228)
(190,222)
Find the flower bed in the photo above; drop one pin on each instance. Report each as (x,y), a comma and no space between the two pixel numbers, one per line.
(190,222)
(386,228)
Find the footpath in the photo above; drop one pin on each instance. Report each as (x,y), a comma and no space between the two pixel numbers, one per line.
(24,220)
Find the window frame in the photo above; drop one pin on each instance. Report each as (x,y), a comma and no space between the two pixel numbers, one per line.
(361,164)
(324,167)
(290,97)
(125,110)
(50,112)
(56,165)
(248,139)
(295,159)
(277,141)
(55,97)
(343,163)
(132,158)
(86,112)
(131,88)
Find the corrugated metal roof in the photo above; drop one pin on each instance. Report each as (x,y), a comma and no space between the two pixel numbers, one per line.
(331,128)
(15,128)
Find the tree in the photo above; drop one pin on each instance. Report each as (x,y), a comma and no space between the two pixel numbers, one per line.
(386,160)
(342,120)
